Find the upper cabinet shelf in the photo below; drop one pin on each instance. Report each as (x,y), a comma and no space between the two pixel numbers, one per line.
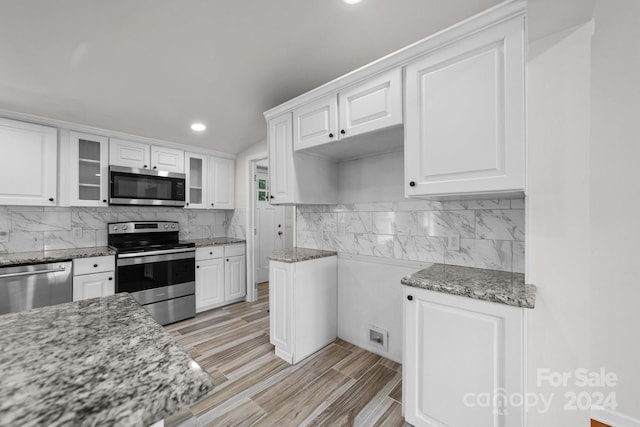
(454,102)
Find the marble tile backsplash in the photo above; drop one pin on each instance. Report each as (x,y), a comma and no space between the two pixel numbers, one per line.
(491,232)
(25,229)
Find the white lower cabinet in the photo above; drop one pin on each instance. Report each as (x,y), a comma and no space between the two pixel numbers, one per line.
(235,282)
(209,283)
(220,276)
(461,355)
(93,277)
(302,306)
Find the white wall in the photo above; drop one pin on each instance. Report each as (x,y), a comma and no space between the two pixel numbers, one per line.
(241,172)
(370,294)
(372,179)
(615,197)
(558,222)
(584,196)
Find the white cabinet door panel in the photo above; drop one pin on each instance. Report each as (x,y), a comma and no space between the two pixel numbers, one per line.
(464,128)
(197,180)
(281,305)
(28,166)
(210,279)
(281,172)
(167,159)
(93,285)
(372,105)
(222,176)
(129,154)
(457,349)
(235,278)
(88,169)
(315,123)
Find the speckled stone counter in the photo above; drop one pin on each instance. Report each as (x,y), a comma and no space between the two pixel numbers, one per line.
(215,241)
(488,285)
(292,255)
(24,258)
(102,361)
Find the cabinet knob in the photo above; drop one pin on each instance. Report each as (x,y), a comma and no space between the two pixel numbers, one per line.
(155,167)
(211,204)
(343,131)
(412,184)
(271,197)
(410,297)
(227,259)
(210,253)
(51,199)
(279,233)
(197,266)
(104,200)
(95,265)
(187,203)
(110,278)
(145,166)
(330,135)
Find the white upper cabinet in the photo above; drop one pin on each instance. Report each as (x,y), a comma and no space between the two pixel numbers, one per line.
(167,159)
(144,156)
(372,105)
(88,169)
(464,106)
(297,178)
(281,159)
(28,166)
(315,123)
(222,175)
(365,107)
(129,154)
(195,167)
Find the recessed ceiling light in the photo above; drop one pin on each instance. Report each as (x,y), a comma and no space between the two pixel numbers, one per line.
(198,127)
(351,1)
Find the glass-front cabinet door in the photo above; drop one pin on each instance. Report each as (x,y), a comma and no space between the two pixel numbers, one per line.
(196,171)
(89,169)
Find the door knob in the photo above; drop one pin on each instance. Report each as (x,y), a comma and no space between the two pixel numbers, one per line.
(343,131)
(279,233)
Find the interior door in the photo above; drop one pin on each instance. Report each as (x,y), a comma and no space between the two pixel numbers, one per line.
(270,226)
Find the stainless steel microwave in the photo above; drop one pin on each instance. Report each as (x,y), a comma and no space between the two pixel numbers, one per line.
(131,186)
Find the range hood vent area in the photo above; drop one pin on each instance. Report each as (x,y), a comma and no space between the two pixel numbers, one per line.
(360,146)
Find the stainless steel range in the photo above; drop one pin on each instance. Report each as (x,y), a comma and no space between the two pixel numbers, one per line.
(155,268)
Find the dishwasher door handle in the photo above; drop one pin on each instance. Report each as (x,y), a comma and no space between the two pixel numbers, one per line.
(29,273)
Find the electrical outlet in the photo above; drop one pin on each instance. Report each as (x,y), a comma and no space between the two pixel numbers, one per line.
(453,243)
(378,338)
(76,232)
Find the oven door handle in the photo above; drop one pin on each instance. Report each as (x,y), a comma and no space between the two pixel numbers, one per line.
(164,252)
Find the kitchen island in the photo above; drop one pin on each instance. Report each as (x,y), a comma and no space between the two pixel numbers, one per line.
(101,361)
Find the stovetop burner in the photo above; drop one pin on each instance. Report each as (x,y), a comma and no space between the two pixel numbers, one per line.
(145,236)
(125,248)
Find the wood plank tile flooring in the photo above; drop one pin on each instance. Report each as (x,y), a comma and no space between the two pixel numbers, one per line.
(340,385)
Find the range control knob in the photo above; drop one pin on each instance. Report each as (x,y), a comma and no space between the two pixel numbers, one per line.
(166,226)
(173,226)
(115,228)
(124,227)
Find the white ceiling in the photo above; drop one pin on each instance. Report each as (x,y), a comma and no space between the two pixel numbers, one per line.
(151,67)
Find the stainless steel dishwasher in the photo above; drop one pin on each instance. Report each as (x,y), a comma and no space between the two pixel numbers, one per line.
(38,285)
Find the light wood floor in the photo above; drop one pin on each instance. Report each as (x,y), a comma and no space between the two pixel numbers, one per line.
(341,385)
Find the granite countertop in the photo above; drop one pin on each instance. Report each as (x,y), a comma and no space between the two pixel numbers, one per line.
(488,285)
(24,258)
(292,255)
(101,361)
(215,241)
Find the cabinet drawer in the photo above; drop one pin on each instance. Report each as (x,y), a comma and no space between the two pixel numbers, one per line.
(234,250)
(209,252)
(94,265)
